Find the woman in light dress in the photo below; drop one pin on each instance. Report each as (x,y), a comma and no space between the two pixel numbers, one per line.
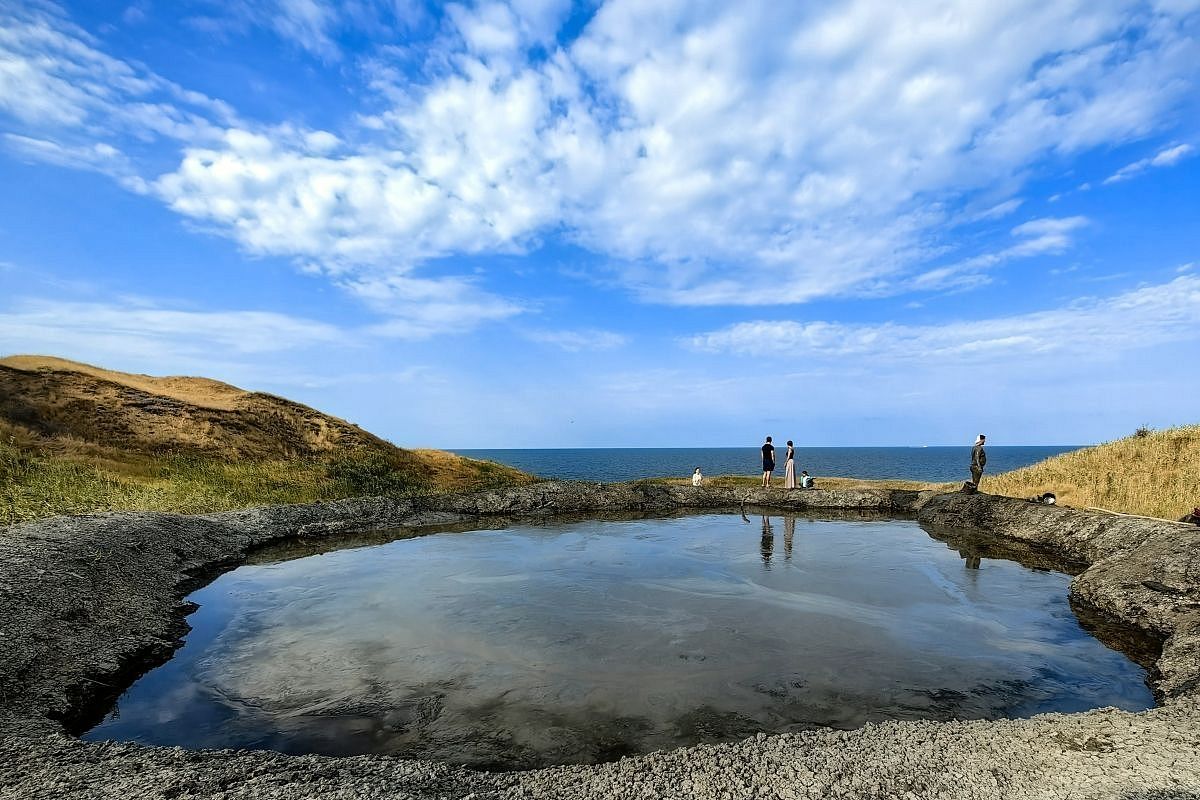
(789,467)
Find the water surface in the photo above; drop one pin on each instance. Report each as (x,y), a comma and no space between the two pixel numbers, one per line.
(581,642)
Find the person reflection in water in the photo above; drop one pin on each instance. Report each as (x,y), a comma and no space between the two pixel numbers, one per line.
(768,541)
(789,533)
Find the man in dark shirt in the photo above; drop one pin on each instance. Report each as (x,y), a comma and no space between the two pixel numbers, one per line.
(768,451)
(978,460)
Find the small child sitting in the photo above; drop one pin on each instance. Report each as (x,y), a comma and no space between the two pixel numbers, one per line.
(806,481)
(697,478)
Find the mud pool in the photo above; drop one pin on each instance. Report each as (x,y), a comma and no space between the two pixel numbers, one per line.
(582,642)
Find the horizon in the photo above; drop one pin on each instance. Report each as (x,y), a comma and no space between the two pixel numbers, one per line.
(798,447)
(527,221)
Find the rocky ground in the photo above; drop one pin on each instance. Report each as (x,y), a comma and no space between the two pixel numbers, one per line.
(86,603)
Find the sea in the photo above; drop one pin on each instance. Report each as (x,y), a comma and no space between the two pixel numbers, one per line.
(614,464)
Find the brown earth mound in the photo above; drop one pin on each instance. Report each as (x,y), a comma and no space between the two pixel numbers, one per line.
(122,422)
(53,397)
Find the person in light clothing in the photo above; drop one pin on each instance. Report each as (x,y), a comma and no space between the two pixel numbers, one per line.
(789,467)
(697,478)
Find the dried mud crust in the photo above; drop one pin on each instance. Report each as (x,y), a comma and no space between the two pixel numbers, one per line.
(86,603)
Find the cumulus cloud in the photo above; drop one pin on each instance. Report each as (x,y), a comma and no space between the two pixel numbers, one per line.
(1166,157)
(749,155)
(755,154)
(1158,314)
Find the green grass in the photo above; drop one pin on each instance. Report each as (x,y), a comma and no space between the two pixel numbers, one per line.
(36,484)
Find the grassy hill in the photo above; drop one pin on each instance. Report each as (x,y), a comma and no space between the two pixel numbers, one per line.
(75,438)
(1154,473)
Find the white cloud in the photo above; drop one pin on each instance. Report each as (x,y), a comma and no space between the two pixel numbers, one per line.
(754,154)
(1166,157)
(54,77)
(315,26)
(96,157)
(579,340)
(145,332)
(745,156)
(1088,329)
(307,22)
(1047,235)
(419,309)
(999,210)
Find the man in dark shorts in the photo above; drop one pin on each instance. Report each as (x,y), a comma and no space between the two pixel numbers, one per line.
(768,451)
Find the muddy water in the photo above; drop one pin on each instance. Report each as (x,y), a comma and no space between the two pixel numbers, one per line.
(583,642)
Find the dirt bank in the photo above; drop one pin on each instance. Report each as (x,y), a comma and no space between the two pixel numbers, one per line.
(86,602)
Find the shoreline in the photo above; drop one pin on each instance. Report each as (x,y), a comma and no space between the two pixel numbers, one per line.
(89,602)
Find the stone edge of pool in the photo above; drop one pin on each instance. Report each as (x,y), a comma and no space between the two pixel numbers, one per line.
(87,602)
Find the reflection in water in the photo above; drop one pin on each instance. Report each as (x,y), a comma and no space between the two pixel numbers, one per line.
(768,541)
(582,642)
(971,556)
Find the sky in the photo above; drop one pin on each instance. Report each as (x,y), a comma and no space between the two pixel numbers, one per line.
(535,223)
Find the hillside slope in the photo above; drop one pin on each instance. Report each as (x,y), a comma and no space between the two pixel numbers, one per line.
(54,397)
(1154,473)
(75,438)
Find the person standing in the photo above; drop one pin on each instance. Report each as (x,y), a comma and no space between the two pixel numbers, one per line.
(978,460)
(789,467)
(768,454)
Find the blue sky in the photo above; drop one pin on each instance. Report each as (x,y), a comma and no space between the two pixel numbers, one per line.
(538,224)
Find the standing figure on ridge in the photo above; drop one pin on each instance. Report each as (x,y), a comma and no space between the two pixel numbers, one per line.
(978,460)
(768,453)
(789,467)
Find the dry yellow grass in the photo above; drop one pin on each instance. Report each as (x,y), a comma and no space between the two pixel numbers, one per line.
(1156,474)
(203,392)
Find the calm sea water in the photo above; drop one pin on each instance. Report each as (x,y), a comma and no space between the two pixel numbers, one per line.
(630,463)
(582,642)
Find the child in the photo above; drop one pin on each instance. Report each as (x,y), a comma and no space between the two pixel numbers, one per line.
(806,481)
(697,478)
